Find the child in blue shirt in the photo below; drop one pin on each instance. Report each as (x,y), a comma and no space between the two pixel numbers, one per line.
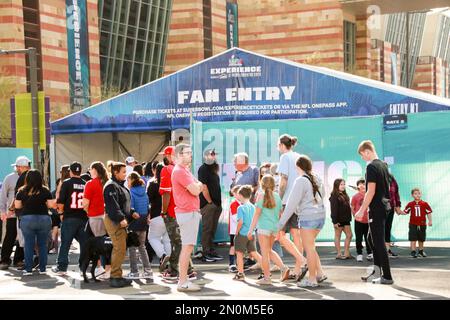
(241,242)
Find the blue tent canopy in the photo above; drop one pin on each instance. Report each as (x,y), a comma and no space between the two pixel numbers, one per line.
(241,85)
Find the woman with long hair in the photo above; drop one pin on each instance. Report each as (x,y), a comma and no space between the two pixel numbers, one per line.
(288,173)
(94,205)
(266,218)
(35,199)
(341,215)
(306,198)
(157,234)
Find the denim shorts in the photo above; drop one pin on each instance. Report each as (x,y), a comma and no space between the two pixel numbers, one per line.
(267,232)
(312,224)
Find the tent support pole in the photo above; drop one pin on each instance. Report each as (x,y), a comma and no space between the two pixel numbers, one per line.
(115,141)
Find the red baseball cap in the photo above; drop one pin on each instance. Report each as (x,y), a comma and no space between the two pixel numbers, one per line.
(169,150)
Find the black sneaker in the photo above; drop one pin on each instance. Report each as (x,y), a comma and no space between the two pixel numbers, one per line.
(261,276)
(213,254)
(208,258)
(119,282)
(422,254)
(248,263)
(413,254)
(4,266)
(392,254)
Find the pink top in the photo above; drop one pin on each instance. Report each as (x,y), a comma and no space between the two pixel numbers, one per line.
(357,201)
(184,201)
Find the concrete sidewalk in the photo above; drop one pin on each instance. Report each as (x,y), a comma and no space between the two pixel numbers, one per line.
(421,278)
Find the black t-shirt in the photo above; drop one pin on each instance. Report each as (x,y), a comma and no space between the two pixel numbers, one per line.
(154,198)
(207,176)
(71,196)
(377,172)
(35,204)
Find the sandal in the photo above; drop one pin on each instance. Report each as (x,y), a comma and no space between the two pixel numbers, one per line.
(321,278)
(303,273)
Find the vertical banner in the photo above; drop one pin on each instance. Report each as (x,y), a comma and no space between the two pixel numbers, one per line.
(394,78)
(232,25)
(22,121)
(78,53)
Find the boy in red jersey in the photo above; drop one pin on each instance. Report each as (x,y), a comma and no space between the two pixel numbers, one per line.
(419,211)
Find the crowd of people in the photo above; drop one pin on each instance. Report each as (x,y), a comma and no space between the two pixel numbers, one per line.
(163,203)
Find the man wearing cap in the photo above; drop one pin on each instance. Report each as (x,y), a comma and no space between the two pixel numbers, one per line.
(131,163)
(210,204)
(74,218)
(9,187)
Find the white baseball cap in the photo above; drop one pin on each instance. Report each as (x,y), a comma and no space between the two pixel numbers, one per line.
(22,161)
(130,160)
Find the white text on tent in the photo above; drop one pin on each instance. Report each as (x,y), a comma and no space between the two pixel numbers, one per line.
(237,94)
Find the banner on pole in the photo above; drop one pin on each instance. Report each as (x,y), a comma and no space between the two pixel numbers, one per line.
(78,53)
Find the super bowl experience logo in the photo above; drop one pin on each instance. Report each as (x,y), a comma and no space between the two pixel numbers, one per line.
(235,68)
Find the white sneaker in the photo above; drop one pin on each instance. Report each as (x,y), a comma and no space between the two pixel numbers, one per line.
(147,275)
(359,258)
(132,276)
(104,276)
(275,268)
(264,281)
(188,286)
(373,272)
(256,266)
(99,271)
(369,257)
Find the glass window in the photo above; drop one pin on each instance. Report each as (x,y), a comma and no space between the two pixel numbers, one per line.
(131,31)
(129,49)
(124,85)
(132,19)
(144,16)
(147,69)
(141,34)
(139,51)
(136,79)
(349,46)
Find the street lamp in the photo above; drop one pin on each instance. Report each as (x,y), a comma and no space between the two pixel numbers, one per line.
(31,52)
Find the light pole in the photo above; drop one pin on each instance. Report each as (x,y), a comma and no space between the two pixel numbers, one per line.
(31,52)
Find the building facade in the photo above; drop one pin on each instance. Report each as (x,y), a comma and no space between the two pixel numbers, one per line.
(44,25)
(366,38)
(133,42)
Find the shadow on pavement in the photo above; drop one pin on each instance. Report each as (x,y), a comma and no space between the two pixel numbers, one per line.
(324,291)
(419,295)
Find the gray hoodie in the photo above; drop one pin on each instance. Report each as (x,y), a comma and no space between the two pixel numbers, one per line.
(301,201)
(7,191)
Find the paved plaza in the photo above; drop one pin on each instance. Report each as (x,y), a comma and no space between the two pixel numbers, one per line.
(421,278)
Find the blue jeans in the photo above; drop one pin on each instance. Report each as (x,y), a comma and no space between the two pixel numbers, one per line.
(71,228)
(35,227)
